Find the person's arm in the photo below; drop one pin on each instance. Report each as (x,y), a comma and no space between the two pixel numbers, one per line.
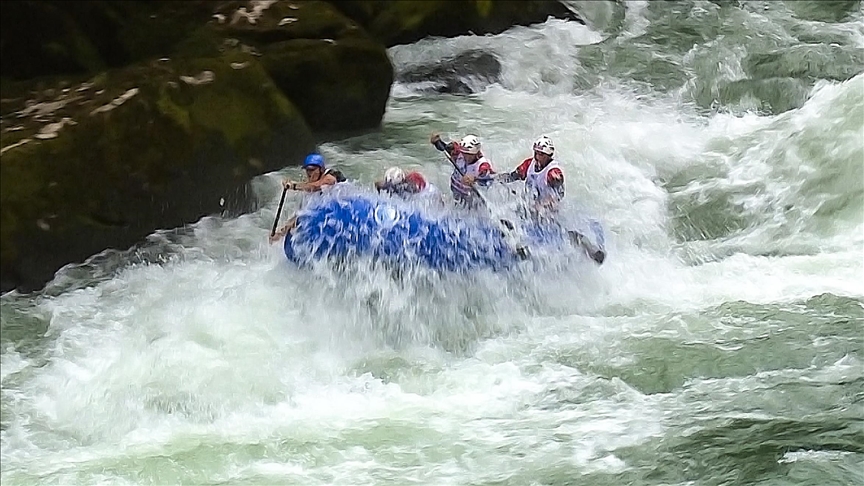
(518,174)
(326,180)
(279,234)
(447,147)
(555,180)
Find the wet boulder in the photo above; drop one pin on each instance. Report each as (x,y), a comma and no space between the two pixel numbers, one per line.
(103,162)
(465,73)
(404,22)
(159,113)
(323,61)
(45,37)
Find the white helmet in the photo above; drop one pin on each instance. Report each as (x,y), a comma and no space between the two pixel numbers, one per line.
(544,145)
(394,175)
(470,144)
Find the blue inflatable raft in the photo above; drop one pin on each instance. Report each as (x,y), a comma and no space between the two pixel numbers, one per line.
(389,231)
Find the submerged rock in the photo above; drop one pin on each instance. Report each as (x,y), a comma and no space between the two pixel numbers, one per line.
(463,74)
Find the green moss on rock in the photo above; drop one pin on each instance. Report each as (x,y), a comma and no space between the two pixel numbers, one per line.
(333,71)
(65,37)
(339,85)
(286,20)
(40,38)
(180,140)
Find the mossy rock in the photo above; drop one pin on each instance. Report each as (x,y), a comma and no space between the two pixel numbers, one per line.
(461,74)
(40,38)
(335,73)
(48,37)
(143,148)
(285,20)
(408,21)
(338,85)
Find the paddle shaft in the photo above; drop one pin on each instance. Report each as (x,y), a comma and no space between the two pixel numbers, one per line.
(521,250)
(596,254)
(278,211)
(462,173)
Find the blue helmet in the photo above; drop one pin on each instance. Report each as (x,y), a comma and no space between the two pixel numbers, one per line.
(314,160)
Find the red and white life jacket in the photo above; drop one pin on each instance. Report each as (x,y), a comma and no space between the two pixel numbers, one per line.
(459,189)
(537,182)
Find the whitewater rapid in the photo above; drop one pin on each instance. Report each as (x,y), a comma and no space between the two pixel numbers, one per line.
(720,343)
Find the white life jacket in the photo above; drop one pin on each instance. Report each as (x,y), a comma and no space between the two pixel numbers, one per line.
(459,189)
(430,190)
(537,183)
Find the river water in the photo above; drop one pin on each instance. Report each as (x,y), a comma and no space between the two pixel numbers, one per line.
(721,144)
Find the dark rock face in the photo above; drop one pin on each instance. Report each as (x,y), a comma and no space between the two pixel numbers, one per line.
(463,74)
(341,85)
(41,37)
(160,145)
(337,76)
(90,162)
(404,22)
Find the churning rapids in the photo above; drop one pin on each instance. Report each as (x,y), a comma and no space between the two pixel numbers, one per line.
(721,343)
